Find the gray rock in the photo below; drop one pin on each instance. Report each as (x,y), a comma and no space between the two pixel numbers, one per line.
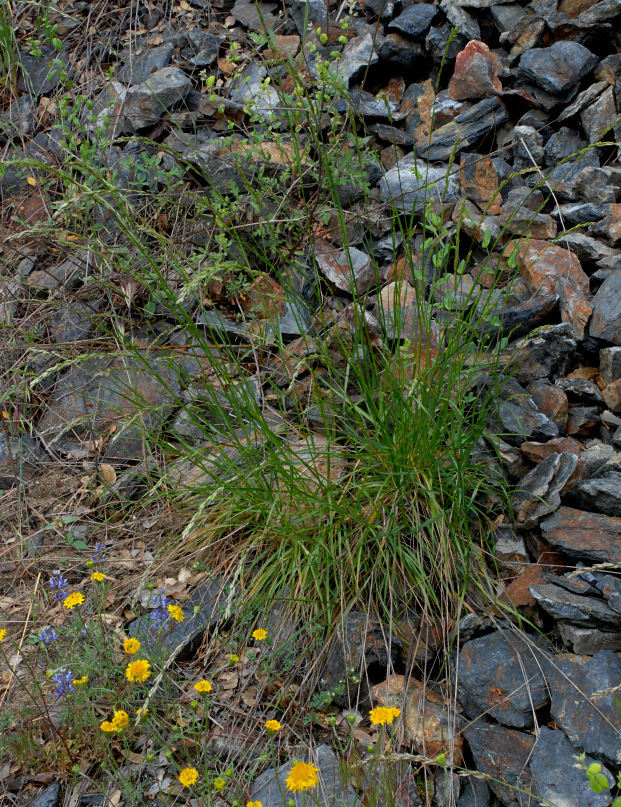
(500,675)
(209,597)
(309,12)
(562,144)
(444,49)
(48,798)
(610,587)
(610,364)
(585,536)
(580,390)
(588,640)
(40,75)
(600,116)
(539,492)
(204,45)
(358,55)
(475,793)
(269,787)
(411,184)
(606,319)
(575,608)
(595,457)
(145,103)
(138,67)
(558,68)
(590,720)
(399,51)
(520,418)
(527,146)
(544,354)
(464,131)
(600,495)
(503,754)
(202,151)
(349,270)
(249,88)
(68,274)
(465,23)
(586,247)
(574,213)
(556,778)
(20,458)
(415,21)
(18,120)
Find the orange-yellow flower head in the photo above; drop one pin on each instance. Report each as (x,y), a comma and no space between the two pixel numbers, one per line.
(176,612)
(138,670)
(73,599)
(259,635)
(98,577)
(254,804)
(188,777)
(203,686)
(2,634)
(302,777)
(131,646)
(107,727)
(384,715)
(272,725)
(79,682)
(120,719)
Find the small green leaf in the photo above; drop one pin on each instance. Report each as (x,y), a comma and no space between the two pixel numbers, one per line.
(487,237)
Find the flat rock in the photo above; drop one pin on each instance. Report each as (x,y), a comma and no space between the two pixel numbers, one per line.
(138,67)
(209,597)
(558,68)
(575,608)
(464,131)
(600,116)
(350,271)
(606,320)
(145,103)
(592,724)
(543,354)
(40,75)
(588,640)
(48,798)
(357,55)
(519,416)
(415,20)
(500,675)
(503,755)
(476,73)
(610,364)
(555,777)
(537,452)
(269,787)
(584,536)
(550,400)
(411,184)
(539,492)
(600,495)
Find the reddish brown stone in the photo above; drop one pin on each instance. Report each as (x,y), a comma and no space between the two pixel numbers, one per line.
(612,395)
(574,7)
(479,182)
(550,400)
(611,225)
(583,420)
(476,73)
(539,451)
(263,297)
(518,593)
(584,535)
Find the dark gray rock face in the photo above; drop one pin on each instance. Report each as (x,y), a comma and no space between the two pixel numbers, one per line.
(500,674)
(600,495)
(539,492)
(575,608)
(558,68)
(606,319)
(48,798)
(555,777)
(20,457)
(145,103)
(40,75)
(415,21)
(139,67)
(269,787)
(476,793)
(585,536)
(411,184)
(465,131)
(544,354)
(588,640)
(503,754)
(591,721)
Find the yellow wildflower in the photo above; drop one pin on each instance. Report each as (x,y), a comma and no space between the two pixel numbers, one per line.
(383,715)
(80,681)
(138,670)
(302,776)
(219,783)
(202,686)
(272,725)
(131,646)
(2,634)
(142,711)
(254,804)
(98,577)
(120,719)
(107,727)
(188,777)
(233,658)
(73,599)
(259,634)
(176,612)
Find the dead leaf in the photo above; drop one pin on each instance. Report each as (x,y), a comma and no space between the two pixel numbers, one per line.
(107,473)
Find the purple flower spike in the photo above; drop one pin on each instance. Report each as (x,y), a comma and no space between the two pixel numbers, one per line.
(47,635)
(58,582)
(159,603)
(64,685)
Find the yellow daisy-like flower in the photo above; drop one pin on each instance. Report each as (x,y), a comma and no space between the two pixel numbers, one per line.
(254,804)
(203,686)
(259,634)
(142,711)
(80,681)
(120,719)
(107,727)
(188,777)
(383,715)
(2,634)
(131,646)
(98,577)
(73,599)
(176,612)
(302,776)
(272,725)
(138,670)
(219,783)
(234,659)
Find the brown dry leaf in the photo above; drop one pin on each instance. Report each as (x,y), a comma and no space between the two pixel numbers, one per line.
(107,473)
(155,40)
(228,680)
(115,798)
(249,696)
(226,67)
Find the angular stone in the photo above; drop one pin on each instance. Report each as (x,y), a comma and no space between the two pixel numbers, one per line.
(539,492)
(588,640)
(48,798)
(411,184)
(576,608)
(612,395)
(309,12)
(558,68)
(550,400)
(537,452)
(465,131)
(591,723)
(503,755)
(583,420)
(145,103)
(476,73)
(610,225)
(465,22)
(600,116)
(350,271)
(270,789)
(20,459)
(480,183)
(68,274)
(40,75)
(500,675)
(518,591)
(584,536)
(606,320)
(519,319)
(555,777)
(357,55)
(610,364)
(138,67)
(415,20)
(520,418)
(580,390)
(601,495)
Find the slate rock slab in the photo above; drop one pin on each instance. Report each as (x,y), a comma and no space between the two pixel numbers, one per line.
(209,597)
(585,536)
(558,68)
(500,674)
(410,184)
(503,754)
(269,787)
(20,458)
(591,721)
(138,67)
(539,492)
(575,608)
(465,131)
(543,354)
(476,73)
(349,271)
(606,320)
(414,21)
(145,103)
(48,798)
(519,417)
(555,777)
(601,495)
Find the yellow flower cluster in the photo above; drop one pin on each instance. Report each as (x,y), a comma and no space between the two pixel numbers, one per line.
(139,671)
(119,720)
(73,599)
(2,634)
(176,612)
(98,577)
(188,777)
(259,635)
(202,686)
(383,715)
(272,725)
(80,681)
(303,776)
(131,646)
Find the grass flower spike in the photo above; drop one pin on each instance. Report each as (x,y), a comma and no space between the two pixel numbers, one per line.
(203,686)
(73,599)
(383,715)
(176,612)
(131,646)
(188,777)
(259,635)
(138,671)
(303,776)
